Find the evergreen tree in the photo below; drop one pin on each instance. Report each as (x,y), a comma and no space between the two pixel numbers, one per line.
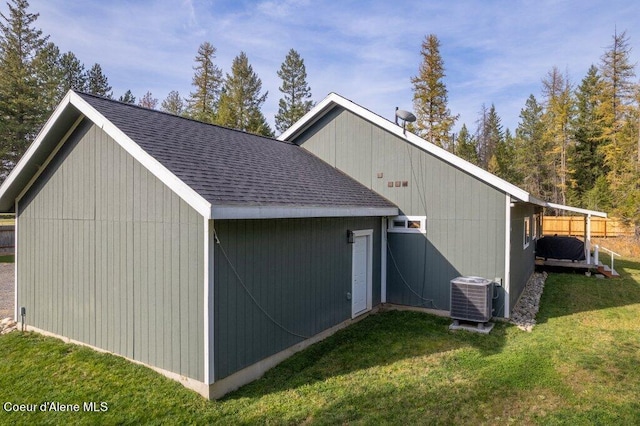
(148,101)
(488,135)
(531,160)
(49,75)
(207,80)
(173,103)
(599,196)
(504,156)
(22,109)
(618,91)
(619,111)
(466,146)
(74,76)
(430,97)
(241,100)
(558,115)
(128,98)
(296,101)
(97,82)
(586,162)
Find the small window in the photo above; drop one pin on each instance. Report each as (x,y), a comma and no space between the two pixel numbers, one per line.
(537,226)
(408,224)
(527,231)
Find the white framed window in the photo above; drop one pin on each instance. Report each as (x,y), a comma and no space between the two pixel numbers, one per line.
(537,226)
(527,231)
(407,224)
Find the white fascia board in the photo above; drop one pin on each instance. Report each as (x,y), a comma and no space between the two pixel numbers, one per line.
(576,210)
(183,190)
(24,160)
(311,116)
(506,284)
(334,99)
(281,212)
(208,307)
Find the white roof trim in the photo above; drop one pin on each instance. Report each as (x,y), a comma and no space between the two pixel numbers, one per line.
(8,182)
(278,212)
(190,196)
(183,190)
(576,210)
(334,99)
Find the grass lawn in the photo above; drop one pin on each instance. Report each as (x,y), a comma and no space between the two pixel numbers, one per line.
(580,365)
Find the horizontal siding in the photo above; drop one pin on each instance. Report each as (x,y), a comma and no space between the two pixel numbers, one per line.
(299,273)
(465,216)
(110,256)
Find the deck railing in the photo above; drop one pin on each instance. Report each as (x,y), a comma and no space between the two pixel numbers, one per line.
(611,252)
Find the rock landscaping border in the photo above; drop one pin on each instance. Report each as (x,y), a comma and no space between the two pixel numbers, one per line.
(524,313)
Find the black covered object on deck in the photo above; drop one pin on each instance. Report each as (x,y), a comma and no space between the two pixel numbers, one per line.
(568,248)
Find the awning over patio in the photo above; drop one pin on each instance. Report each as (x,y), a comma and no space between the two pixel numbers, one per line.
(587,223)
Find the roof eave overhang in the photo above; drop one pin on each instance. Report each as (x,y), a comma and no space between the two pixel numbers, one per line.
(576,210)
(283,212)
(38,154)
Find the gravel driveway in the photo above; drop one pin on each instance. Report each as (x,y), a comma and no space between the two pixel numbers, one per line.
(6,290)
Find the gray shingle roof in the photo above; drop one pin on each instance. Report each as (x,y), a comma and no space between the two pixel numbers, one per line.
(233,168)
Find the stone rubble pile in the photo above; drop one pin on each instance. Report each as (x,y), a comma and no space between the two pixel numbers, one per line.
(7,325)
(524,313)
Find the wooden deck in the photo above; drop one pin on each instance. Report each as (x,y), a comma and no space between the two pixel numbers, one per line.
(579,264)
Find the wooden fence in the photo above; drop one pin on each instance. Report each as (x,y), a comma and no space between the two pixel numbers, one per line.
(7,239)
(574,225)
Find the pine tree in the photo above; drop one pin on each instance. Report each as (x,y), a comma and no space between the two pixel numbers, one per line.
(173,103)
(241,100)
(207,80)
(148,101)
(74,76)
(430,96)
(128,98)
(296,101)
(619,111)
(466,146)
(49,75)
(618,74)
(22,110)
(531,160)
(504,156)
(488,135)
(586,162)
(491,135)
(558,115)
(97,82)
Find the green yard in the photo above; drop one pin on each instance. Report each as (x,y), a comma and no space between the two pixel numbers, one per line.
(580,365)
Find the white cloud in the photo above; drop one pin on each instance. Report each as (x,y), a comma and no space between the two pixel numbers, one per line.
(494,51)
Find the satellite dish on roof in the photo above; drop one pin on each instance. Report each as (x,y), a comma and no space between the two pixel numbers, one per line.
(406,117)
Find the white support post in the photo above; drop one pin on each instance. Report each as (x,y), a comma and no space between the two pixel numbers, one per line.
(383,261)
(587,239)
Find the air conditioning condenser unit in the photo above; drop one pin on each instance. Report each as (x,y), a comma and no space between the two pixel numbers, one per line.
(471,299)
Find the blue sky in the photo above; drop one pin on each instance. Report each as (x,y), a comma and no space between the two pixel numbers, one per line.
(494,51)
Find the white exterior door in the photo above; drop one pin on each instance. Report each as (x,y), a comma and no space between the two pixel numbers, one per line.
(361,271)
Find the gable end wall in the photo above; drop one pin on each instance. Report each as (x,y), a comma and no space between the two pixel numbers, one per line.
(109,256)
(465,216)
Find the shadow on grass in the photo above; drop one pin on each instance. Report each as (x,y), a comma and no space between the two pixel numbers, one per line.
(379,340)
(572,293)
